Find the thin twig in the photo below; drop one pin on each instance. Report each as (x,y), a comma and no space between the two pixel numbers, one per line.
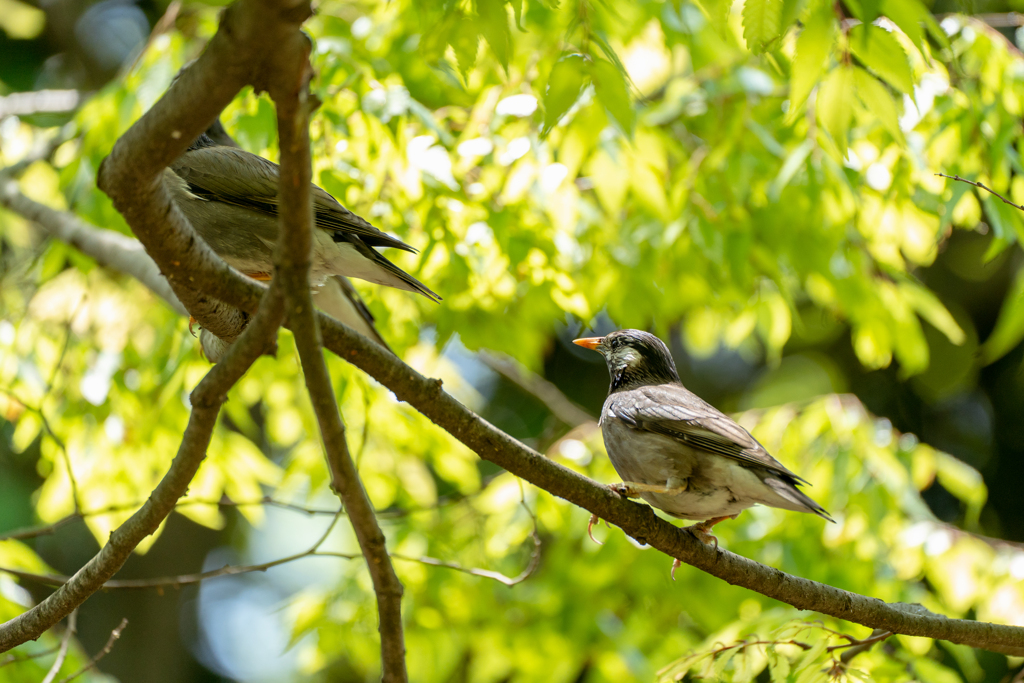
(984,187)
(114,635)
(18,657)
(62,653)
(855,648)
(65,456)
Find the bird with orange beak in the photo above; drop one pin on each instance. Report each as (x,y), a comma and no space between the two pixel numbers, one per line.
(678,452)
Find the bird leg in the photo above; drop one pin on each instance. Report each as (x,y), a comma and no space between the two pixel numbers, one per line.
(632,489)
(702,530)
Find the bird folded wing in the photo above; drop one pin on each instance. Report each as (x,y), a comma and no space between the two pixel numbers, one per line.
(681,415)
(234,176)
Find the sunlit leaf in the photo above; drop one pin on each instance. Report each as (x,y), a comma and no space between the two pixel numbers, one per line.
(762,24)
(882,53)
(613,93)
(563,88)
(813,46)
(835,104)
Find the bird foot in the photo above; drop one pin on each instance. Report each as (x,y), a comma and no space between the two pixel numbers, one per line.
(675,564)
(703,534)
(702,530)
(632,489)
(191,321)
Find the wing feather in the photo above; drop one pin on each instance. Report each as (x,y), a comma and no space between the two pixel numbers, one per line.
(227,170)
(671,410)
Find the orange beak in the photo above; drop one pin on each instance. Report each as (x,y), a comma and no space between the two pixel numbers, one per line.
(588,342)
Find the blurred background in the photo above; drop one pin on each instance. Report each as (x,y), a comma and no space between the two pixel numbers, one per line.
(772,262)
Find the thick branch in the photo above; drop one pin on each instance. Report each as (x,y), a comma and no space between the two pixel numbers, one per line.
(293,256)
(206,400)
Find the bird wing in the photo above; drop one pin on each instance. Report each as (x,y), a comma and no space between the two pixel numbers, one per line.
(671,410)
(234,176)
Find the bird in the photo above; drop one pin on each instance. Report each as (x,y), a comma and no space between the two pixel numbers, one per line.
(229,196)
(678,452)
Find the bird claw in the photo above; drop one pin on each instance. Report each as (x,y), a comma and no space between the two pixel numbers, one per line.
(191,321)
(702,534)
(675,563)
(594,519)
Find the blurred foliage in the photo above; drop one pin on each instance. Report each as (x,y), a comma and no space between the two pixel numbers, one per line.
(752,174)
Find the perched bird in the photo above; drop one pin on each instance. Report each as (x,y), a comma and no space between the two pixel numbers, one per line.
(678,452)
(230,197)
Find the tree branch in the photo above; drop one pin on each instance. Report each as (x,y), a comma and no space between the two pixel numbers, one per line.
(294,254)
(108,248)
(206,400)
(62,653)
(983,187)
(637,520)
(114,636)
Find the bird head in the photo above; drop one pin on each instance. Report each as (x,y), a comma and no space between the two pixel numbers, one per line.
(635,358)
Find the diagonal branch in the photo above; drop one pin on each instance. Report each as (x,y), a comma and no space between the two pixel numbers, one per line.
(292,266)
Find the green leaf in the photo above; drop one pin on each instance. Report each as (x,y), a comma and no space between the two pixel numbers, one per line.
(717,12)
(612,93)
(878,101)
(465,42)
(835,104)
(494,26)
(517,10)
(908,15)
(1009,329)
(928,306)
(762,24)
(881,52)
(813,46)
(564,85)
(865,10)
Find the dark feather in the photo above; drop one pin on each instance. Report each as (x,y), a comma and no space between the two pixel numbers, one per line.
(237,177)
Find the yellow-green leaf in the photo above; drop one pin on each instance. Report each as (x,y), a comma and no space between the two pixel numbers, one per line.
(835,104)
(564,85)
(878,101)
(882,53)
(612,92)
(812,49)
(762,24)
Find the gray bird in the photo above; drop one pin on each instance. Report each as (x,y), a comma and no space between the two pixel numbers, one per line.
(336,296)
(230,197)
(678,452)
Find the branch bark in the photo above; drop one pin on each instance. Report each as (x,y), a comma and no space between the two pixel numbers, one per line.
(294,256)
